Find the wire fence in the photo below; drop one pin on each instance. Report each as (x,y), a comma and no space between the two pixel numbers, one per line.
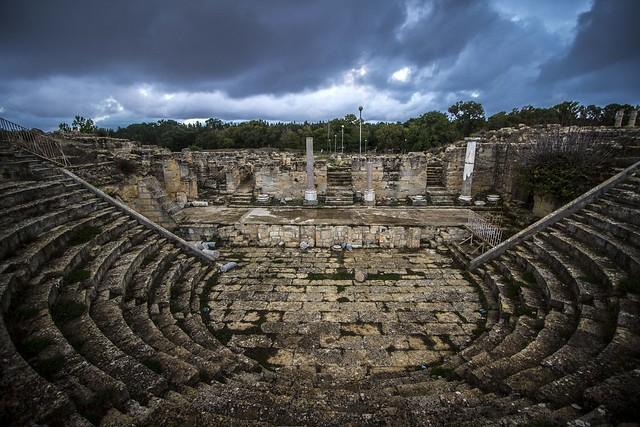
(33,142)
(488,229)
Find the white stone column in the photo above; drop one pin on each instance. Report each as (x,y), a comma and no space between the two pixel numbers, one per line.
(369,194)
(467,176)
(310,194)
(632,118)
(618,118)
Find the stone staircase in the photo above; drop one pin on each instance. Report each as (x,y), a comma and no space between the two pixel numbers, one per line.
(339,187)
(440,196)
(434,174)
(102,324)
(241,198)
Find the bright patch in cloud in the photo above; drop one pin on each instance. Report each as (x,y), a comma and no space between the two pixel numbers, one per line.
(402,75)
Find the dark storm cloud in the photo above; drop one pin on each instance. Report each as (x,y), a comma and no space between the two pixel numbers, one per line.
(125,60)
(605,55)
(241,47)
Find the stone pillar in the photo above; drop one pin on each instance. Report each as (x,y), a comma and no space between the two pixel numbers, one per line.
(632,119)
(619,117)
(310,194)
(469,162)
(369,194)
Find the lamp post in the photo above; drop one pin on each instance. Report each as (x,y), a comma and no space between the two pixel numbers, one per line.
(360,122)
(335,143)
(342,151)
(365,146)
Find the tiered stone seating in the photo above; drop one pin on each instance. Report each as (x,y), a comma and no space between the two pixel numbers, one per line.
(585,269)
(107,321)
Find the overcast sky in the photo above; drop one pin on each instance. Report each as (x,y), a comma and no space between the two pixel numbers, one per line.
(123,61)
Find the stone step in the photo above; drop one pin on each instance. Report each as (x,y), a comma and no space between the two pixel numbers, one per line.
(557,293)
(142,382)
(568,269)
(622,253)
(616,211)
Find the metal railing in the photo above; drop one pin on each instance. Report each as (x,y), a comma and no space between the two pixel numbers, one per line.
(33,142)
(555,216)
(487,230)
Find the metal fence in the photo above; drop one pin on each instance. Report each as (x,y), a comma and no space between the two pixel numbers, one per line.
(487,229)
(33,142)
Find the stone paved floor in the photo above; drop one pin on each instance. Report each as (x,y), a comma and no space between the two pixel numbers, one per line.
(410,216)
(302,311)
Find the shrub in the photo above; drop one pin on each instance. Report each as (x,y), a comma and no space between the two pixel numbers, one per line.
(126,166)
(563,165)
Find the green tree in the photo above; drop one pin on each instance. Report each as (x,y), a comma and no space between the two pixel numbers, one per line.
(567,112)
(389,137)
(429,130)
(468,116)
(83,125)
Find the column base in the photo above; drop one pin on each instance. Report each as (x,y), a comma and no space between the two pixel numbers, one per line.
(310,198)
(465,200)
(370,198)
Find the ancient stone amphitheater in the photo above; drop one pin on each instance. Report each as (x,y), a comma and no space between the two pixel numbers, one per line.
(110,319)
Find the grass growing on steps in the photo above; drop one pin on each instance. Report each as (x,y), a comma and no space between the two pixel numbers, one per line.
(49,367)
(340,274)
(529,277)
(77,275)
(446,373)
(261,354)
(68,310)
(630,285)
(33,346)
(512,289)
(84,234)
(384,276)
(153,364)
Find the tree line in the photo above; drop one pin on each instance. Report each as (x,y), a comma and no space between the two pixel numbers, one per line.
(429,130)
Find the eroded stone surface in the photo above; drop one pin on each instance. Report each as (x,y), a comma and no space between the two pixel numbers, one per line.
(299,310)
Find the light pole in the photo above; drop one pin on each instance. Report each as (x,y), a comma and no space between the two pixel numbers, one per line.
(335,143)
(360,109)
(342,151)
(365,146)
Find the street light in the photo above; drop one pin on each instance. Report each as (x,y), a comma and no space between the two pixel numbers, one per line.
(335,142)
(360,109)
(342,151)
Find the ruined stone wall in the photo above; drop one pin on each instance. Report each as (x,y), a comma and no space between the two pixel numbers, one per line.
(393,177)
(288,180)
(500,153)
(324,236)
